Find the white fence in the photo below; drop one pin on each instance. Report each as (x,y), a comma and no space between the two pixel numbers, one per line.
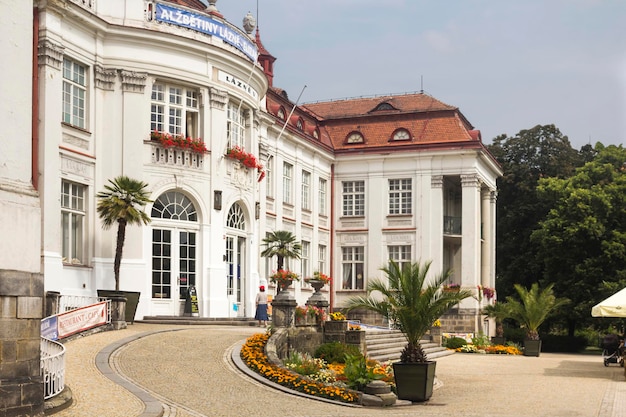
(52,364)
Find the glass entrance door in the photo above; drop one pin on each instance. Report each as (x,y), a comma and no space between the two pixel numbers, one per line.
(235,247)
(173,265)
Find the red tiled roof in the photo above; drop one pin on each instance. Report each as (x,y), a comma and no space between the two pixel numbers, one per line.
(362,106)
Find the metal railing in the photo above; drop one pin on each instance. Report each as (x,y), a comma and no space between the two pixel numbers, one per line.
(72,302)
(52,363)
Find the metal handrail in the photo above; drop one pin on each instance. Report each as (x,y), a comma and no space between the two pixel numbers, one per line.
(52,363)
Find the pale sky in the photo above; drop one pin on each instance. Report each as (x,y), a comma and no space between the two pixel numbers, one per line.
(507,64)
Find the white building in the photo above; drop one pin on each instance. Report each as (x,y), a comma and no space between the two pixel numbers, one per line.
(357,181)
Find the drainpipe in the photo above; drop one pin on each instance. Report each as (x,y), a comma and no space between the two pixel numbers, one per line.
(332,236)
(35,103)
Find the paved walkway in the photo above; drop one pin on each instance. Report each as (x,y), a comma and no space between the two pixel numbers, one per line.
(188,372)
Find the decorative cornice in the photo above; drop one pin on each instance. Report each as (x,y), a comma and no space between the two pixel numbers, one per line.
(470,180)
(134,82)
(50,53)
(218,98)
(105,77)
(436,181)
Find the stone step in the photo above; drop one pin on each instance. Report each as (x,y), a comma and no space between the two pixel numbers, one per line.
(386,345)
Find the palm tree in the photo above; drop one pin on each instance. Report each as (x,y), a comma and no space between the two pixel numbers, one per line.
(283,245)
(412,300)
(498,311)
(533,307)
(122,203)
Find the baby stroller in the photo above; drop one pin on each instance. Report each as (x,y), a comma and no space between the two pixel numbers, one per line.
(611,350)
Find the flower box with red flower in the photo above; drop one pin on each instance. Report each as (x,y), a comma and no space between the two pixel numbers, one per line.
(247,159)
(168,140)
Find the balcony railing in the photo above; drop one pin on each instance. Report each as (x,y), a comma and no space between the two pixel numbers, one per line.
(176,157)
(52,363)
(452,225)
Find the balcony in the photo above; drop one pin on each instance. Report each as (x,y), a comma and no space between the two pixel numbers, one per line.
(176,157)
(452,225)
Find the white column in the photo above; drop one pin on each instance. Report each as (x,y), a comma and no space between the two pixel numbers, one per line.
(436,223)
(470,246)
(487,226)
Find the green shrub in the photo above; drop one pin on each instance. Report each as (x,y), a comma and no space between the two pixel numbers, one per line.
(357,374)
(335,352)
(515,334)
(454,342)
(481,341)
(303,363)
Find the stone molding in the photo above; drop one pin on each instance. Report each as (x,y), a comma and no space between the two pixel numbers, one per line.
(133,82)
(50,53)
(105,77)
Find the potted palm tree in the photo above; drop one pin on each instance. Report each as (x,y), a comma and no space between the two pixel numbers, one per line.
(414,301)
(531,310)
(283,245)
(121,203)
(499,311)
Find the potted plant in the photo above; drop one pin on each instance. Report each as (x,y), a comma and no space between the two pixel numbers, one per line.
(283,245)
(318,280)
(498,311)
(414,301)
(283,278)
(531,310)
(122,203)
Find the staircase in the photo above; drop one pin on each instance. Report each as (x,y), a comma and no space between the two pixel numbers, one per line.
(386,345)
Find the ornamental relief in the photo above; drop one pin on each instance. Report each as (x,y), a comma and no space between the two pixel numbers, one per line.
(239,175)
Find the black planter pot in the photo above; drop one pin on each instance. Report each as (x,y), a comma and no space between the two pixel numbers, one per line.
(497,340)
(532,347)
(132,300)
(414,381)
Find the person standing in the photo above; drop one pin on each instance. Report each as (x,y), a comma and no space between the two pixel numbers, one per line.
(261,306)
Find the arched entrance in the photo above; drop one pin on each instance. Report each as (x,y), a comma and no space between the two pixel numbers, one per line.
(236,260)
(174,251)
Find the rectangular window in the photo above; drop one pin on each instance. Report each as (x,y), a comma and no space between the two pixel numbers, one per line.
(305,261)
(306,193)
(352,268)
(400,196)
(72,221)
(321,258)
(353,198)
(174,110)
(322,196)
(235,126)
(74,93)
(400,254)
(269,176)
(287,181)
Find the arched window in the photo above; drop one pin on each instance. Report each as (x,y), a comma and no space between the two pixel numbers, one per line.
(175,206)
(235,218)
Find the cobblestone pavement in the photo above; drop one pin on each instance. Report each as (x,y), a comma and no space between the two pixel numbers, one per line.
(189,373)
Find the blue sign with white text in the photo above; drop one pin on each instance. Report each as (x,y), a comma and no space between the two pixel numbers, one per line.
(206,25)
(49,328)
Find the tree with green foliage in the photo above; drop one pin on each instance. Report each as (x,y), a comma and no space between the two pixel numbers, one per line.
(582,240)
(283,245)
(530,155)
(533,307)
(122,202)
(412,300)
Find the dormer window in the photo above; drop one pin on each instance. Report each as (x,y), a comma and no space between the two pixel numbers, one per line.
(401,134)
(355,137)
(300,124)
(281,113)
(316,134)
(384,106)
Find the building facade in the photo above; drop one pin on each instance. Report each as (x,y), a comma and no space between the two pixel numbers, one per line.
(171,93)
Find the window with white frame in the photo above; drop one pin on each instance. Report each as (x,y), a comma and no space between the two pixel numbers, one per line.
(74,93)
(269,176)
(400,196)
(401,254)
(353,198)
(174,109)
(322,196)
(287,182)
(236,125)
(352,264)
(72,221)
(321,258)
(306,190)
(305,260)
